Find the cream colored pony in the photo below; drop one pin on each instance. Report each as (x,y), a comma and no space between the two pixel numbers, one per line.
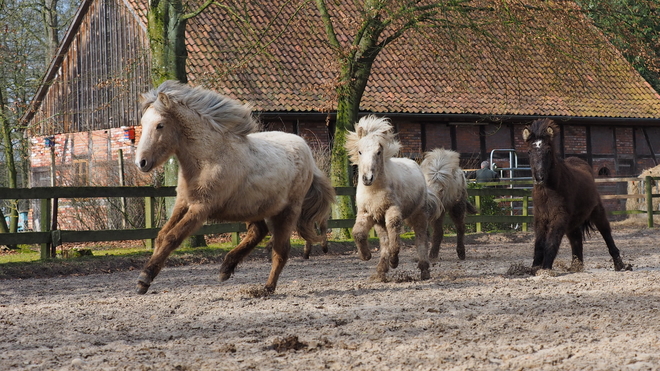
(446,180)
(229,172)
(389,191)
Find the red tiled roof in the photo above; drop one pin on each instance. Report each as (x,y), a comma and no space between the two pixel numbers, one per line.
(290,67)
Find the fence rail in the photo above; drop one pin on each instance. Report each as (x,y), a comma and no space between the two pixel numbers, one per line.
(50,239)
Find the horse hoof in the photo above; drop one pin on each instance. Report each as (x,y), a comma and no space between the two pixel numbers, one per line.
(461,253)
(305,255)
(224,276)
(425,275)
(365,255)
(324,248)
(143,283)
(379,277)
(619,265)
(141,288)
(394,261)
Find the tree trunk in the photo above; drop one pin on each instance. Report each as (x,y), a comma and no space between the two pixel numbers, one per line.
(51,25)
(167,29)
(10,165)
(353,82)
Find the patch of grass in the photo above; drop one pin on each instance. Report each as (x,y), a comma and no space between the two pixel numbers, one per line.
(26,263)
(24,253)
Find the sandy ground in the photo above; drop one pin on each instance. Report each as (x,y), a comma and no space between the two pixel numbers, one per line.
(326,314)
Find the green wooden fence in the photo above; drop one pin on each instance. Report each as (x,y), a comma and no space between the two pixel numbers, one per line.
(50,239)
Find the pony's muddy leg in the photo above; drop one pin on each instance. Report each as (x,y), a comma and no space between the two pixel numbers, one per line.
(363,224)
(256,231)
(390,256)
(283,227)
(540,233)
(457,214)
(307,249)
(599,218)
(183,223)
(438,235)
(324,231)
(383,240)
(575,238)
(552,243)
(420,226)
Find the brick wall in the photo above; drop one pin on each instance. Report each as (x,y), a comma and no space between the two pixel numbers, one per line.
(624,141)
(498,137)
(315,133)
(602,140)
(437,136)
(575,140)
(467,139)
(410,136)
(518,143)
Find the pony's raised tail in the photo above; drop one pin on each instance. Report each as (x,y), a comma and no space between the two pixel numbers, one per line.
(316,207)
(471,209)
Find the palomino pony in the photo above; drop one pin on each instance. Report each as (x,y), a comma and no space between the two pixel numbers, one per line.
(229,172)
(445,179)
(566,201)
(389,191)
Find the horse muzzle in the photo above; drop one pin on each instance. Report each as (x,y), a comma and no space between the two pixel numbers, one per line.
(367,179)
(143,165)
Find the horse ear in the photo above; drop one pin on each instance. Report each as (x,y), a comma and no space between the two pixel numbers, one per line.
(163,98)
(526,134)
(551,131)
(360,131)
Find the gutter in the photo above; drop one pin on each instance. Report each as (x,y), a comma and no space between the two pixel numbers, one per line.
(477,119)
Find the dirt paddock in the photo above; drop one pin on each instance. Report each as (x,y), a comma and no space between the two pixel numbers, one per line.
(327,314)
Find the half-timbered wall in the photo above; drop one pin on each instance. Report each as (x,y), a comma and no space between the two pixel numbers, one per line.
(104,71)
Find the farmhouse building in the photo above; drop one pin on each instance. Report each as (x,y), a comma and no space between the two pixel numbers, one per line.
(462,90)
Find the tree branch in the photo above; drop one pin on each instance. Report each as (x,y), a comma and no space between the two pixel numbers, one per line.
(203,7)
(327,22)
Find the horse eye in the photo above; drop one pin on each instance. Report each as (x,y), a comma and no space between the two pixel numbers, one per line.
(159,126)
(360,153)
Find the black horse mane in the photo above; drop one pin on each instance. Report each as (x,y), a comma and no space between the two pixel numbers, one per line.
(544,129)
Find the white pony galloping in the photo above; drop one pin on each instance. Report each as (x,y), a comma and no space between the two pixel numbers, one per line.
(389,191)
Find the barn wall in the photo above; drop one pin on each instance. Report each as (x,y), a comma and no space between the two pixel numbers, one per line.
(102,75)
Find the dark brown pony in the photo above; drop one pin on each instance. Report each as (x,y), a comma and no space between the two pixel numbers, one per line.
(566,201)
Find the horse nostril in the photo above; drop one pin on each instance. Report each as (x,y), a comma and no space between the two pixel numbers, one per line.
(142,164)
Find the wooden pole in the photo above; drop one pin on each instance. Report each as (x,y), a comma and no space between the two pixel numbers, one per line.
(525,211)
(477,203)
(122,182)
(649,200)
(55,201)
(44,221)
(149,217)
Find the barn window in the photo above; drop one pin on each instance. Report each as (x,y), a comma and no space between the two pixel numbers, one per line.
(603,171)
(81,174)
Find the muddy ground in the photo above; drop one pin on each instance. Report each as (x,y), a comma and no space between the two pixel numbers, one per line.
(327,314)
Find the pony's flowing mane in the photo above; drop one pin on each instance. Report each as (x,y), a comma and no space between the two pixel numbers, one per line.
(223,113)
(378,128)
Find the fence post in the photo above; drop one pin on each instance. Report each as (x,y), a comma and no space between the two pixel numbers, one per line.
(149,218)
(525,211)
(477,202)
(44,222)
(649,200)
(122,182)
